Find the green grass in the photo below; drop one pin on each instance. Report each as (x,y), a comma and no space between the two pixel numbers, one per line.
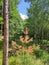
(26,59)
(1,57)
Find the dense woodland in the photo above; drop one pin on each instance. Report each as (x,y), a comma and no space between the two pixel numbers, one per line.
(29,38)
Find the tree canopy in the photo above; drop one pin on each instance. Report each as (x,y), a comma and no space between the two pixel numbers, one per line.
(38,20)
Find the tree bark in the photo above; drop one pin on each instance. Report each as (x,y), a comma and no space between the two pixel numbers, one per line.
(6,32)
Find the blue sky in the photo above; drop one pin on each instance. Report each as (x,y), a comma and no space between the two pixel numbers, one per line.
(22,7)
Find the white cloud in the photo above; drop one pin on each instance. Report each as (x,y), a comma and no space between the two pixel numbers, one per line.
(23,16)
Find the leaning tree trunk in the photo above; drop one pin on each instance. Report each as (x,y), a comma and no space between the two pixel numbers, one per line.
(6,32)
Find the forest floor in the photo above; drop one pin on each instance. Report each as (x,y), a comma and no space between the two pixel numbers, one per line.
(25,59)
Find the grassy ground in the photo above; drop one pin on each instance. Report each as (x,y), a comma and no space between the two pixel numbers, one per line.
(0,57)
(25,59)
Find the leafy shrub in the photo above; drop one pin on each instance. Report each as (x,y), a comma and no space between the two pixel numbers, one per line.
(38,53)
(44,41)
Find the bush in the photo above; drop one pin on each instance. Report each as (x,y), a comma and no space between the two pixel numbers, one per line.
(38,53)
(45,45)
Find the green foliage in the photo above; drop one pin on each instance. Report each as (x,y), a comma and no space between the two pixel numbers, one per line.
(38,20)
(1,42)
(1,45)
(38,53)
(29,59)
(1,5)
(16,23)
(45,45)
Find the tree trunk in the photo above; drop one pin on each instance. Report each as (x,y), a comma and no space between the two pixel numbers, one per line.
(6,32)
